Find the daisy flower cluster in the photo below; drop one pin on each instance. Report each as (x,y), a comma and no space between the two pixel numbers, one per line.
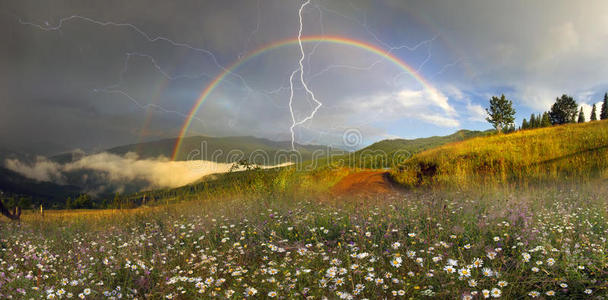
(417,245)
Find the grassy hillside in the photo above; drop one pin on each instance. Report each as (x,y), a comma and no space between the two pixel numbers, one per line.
(386,153)
(567,151)
(421,144)
(275,232)
(421,245)
(268,183)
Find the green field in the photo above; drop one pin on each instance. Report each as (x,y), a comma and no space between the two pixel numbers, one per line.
(515,216)
(389,153)
(572,151)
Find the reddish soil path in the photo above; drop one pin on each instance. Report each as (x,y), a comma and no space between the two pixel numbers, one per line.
(364,183)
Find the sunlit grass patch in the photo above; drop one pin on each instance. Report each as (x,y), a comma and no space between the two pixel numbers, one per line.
(573,151)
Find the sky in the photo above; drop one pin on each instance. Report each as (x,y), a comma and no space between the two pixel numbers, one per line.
(96,74)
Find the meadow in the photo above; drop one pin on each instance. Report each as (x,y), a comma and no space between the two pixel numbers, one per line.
(542,242)
(282,233)
(571,152)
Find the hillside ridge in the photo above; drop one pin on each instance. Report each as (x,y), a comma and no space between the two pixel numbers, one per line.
(571,150)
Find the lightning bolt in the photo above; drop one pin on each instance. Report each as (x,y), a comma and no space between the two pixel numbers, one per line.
(151,38)
(155,64)
(445,67)
(300,69)
(115,88)
(143,106)
(389,48)
(305,60)
(252,33)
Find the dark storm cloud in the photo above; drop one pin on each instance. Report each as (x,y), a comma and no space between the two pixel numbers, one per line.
(60,78)
(71,82)
(92,84)
(50,78)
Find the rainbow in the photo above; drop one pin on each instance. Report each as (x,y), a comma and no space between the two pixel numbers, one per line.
(286,42)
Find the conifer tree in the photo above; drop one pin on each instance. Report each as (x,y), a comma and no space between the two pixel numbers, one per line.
(532,121)
(604,111)
(593,113)
(581,116)
(546,121)
(524,124)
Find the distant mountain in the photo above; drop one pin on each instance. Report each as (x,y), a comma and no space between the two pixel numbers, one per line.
(13,184)
(224,149)
(47,193)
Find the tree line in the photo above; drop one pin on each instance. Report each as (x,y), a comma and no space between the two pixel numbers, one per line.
(501,114)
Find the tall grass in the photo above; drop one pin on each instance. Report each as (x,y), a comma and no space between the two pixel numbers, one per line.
(277,182)
(274,233)
(574,151)
(404,246)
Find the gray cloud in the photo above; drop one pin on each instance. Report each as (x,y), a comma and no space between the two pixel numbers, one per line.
(52,83)
(538,49)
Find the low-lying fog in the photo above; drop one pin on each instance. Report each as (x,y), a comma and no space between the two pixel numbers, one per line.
(107,172)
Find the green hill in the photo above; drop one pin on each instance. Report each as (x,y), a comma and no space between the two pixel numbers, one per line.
(386,153)
(421,144)
(567,151)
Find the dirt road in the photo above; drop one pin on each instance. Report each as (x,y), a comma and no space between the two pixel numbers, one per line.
(364,183)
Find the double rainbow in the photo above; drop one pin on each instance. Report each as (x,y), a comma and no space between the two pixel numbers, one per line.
(287,42)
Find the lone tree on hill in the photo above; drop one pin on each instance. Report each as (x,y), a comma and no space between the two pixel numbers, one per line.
(604,111)
(564,110)
(581,116)
(593,113)
(501,112)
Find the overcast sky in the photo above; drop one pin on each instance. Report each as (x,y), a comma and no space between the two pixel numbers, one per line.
(96,74)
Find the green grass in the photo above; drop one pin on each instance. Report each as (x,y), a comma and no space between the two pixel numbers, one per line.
(278,231)
(267,183)
(299,246)
(389,153)
(573,151)
(421,144)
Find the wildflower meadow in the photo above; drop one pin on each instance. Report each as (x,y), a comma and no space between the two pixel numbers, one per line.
(543,243)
